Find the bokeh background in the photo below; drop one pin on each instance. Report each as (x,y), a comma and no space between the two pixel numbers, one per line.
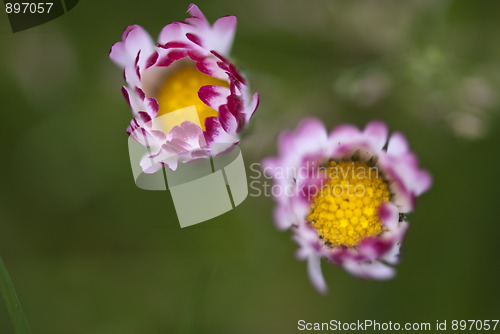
(91,253)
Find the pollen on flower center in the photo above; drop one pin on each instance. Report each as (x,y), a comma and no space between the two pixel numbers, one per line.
(181,90)
(345,211)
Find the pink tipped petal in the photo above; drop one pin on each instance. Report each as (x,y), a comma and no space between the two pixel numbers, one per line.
(223,31)
(172,165)
(133,100)
(227,120)
(301,209)
(225,26)
(177,54)
(196,55)
(194,11)
(235,104)
(151,107)
(270,166)
(119,54)
(174,32)
(126,94)
(282,217)
(286,144)
(213,129)
(214,96)
(168,156)
(192,131)
(137,40)
(145,118)
(388,214)
(253,106)
(374,248)
(423,182)
(393,255)
(229,68)
(149,165)
(140,93)
(174,45)
(370,270)
(343,134)
(189,133)
(308,241)
(376,132)
(210,67)
(195,39)
(315,274)
(397,144)
(218,139)
(164,61)
(310,135)
(312,127)
(151,60)
(131,77)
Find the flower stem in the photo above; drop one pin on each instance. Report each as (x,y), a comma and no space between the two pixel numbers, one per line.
(12,302)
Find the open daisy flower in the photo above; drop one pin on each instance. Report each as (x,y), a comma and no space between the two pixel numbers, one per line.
(345,195)
(187,67)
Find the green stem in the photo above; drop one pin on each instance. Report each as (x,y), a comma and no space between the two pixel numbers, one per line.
(12,302)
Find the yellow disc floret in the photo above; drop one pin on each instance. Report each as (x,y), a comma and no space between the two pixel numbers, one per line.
(181,90)
(345,211)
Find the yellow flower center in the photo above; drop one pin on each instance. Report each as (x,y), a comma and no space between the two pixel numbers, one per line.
(344,212)
(181,91)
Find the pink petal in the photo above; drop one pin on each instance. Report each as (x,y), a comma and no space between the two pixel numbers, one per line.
(389,215)
(174,45)
(134,39)
(189,133)
(315,274)
(149,166)
(376,132)
(308,138)
(224,29)
(195,12)
(373,270)
(228,120)
(397,144)
(174,32)
(374,248)
(151,60)
(423,182)
(210,67)
(250,110)
(131,76)
(119,54)
(214,96)
(282,217)
(343,134)
(195,39)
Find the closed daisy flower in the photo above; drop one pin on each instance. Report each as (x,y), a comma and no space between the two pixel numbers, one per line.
(345,195)
(188,66)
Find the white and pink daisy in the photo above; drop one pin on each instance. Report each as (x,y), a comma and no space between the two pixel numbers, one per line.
(188,66)
(345,194)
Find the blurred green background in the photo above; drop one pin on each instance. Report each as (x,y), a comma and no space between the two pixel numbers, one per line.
(91,253)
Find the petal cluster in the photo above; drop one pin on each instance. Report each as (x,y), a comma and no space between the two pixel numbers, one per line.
(310,146)
(207,47)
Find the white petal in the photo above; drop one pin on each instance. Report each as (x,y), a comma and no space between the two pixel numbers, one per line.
(315,274)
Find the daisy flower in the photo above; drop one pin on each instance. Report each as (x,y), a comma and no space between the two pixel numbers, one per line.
(187,67)
(345,194)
